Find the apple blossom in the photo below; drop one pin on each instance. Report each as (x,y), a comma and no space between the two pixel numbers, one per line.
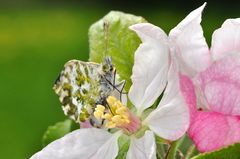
(170,120)
(216,84)
(214,75)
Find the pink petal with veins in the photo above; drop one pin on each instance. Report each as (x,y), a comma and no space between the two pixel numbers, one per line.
(209,130)
(220,84)
(188,91)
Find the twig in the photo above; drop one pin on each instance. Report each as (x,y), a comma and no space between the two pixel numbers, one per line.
(180,154)
(190,151)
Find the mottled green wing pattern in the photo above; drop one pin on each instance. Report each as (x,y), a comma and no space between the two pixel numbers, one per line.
(79,88)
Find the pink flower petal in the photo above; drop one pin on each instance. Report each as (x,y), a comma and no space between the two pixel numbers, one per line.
(226,40)
(220,84)
(211,131)
(188,91)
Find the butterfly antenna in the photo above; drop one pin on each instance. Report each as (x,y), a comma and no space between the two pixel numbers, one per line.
(105,29)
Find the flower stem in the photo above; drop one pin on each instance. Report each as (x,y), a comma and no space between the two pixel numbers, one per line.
(171,153)
(160,151)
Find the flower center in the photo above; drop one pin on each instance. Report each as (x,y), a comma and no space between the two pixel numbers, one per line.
(117,115)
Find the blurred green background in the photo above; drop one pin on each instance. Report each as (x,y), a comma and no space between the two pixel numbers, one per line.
(38,37)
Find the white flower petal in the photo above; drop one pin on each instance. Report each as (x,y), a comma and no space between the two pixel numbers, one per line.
(173,84)
(150,66)
(189,44)
(143,148)
(86,143)
(226,39)
(171,119)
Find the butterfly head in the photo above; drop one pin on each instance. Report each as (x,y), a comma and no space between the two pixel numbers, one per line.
(107,65)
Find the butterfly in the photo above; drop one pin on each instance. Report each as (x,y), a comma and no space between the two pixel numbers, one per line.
(83,85)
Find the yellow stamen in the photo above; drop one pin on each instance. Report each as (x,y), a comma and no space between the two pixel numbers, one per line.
(110,124)
(107,116)
(100,108)
(116,116)
(121,110)
(111,100)
(98,115)
(99,111)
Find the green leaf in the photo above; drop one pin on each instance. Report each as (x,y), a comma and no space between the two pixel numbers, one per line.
(111,36)
(56,131)
(230,152)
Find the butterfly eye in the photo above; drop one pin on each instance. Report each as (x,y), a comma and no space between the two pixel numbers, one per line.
(110,68)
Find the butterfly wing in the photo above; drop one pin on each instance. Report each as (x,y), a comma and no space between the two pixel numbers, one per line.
(79,88)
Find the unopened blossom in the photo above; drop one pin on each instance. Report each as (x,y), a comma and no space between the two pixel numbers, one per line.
(170,120)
